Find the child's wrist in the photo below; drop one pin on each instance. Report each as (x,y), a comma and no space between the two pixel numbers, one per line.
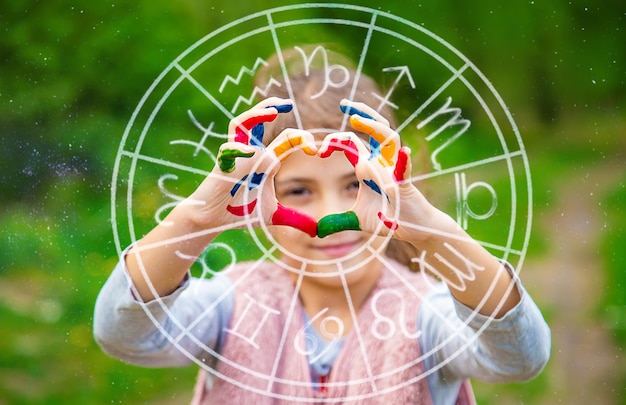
(193,216)
(440,226)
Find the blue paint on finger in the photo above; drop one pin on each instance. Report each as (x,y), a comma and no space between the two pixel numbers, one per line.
(349,110)
(255,180)
(283,108)
(372,184)
(376,188)
(374,148)
(257,133)
(233,191)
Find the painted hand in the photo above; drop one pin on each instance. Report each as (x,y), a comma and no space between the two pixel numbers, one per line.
(241,182)
(381,169)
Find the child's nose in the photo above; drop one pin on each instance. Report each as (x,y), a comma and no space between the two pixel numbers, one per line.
(333,203)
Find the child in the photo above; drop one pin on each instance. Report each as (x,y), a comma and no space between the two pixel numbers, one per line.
(339,315)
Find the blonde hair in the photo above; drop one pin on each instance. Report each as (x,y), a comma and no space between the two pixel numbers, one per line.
(317,105)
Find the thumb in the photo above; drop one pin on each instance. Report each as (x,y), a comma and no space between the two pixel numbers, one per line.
(402,169)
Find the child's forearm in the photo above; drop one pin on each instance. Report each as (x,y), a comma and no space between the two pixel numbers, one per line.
(475,277)
(159,261)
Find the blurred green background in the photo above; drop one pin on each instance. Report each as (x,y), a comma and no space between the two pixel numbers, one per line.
(71,73)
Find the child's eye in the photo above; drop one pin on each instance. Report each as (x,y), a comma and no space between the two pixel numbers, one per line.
(353,188)
(354,185)
(293,192)
(297,191)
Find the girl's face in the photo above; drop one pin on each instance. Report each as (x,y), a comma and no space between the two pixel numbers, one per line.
(320,187)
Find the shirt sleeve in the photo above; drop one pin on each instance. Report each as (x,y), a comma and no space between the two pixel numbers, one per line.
(173,330)
(460,343)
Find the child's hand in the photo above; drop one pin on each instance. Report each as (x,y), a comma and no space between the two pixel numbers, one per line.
(231,191)
(240,187)
(387,200)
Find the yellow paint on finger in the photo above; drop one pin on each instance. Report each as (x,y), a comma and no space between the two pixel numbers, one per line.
(281,149)
(387,154)
(387,149)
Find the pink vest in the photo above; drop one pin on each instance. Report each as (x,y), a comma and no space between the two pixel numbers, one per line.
(263,359)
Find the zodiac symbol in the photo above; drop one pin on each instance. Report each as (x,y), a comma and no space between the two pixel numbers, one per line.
(244,70)
(255,310)
(207,271)
(455,120)
(388,322)
(311,343)
(328,69)
(176,199)
(463,209)
(404,71)
(462,274)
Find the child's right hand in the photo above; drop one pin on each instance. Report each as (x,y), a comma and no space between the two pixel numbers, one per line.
(240,187)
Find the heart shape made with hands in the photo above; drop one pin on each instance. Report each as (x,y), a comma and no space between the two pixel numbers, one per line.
(384,152)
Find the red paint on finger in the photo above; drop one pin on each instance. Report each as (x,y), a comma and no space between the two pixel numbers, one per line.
(241,136)
(346,146)
(295,219)
(389,223)
(242,132)
(401,165)
(258,119)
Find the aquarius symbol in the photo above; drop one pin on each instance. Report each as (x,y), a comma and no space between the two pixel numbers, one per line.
(255,93)
(244,70)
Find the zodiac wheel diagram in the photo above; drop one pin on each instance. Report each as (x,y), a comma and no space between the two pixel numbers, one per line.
(475,159)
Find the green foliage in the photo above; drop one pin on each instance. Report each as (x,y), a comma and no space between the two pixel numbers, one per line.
(72,74)
(613,307)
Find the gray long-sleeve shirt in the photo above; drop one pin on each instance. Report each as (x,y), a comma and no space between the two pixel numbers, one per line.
(465,344)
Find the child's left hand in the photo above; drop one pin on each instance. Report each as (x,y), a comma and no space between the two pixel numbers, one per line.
(387,200)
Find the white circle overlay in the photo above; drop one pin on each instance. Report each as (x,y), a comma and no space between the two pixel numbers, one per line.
(145,186)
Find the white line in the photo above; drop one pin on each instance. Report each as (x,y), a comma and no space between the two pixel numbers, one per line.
(506,156)
(204,91)
(357,74)
(288,321)
(165,163)
(186,331)
(436,94)
(283,68)
(357,328)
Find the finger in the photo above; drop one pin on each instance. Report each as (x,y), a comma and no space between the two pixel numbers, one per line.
(333,223)
(346,142)
(384,141)
(293,139)
(390,223)
(402,170)
(353,107)
(295,219)
(247,128)
(229,152)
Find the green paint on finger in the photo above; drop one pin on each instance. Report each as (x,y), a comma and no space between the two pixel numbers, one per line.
(333,223)
(226,159)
